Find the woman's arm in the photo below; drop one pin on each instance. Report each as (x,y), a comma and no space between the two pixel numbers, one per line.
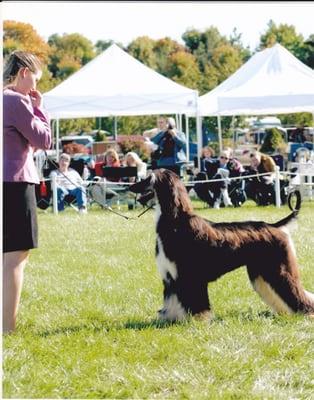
(32,123)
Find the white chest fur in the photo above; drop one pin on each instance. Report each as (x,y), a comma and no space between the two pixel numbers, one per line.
(164,265)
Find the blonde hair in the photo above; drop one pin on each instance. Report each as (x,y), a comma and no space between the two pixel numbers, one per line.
(135,157)
(113,153)
(208,148)
(18,60)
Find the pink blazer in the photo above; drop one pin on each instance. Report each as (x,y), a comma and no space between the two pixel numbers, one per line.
(25,129)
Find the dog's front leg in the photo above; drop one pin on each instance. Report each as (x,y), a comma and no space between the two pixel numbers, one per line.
(193,294)
(173,309)
(183,297)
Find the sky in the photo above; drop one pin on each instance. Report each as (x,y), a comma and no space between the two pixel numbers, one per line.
(123,22)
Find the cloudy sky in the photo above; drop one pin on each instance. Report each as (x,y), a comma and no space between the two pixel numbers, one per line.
(124,21)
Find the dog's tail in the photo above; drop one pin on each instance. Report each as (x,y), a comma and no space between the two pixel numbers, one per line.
(294,196)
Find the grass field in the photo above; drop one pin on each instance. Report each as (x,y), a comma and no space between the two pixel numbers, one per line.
(87,326)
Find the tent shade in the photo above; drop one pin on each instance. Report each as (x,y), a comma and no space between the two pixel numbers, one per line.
(273,81)
(115,84)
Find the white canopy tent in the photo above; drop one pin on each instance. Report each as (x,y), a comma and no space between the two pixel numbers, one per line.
(273,81)
(116,84)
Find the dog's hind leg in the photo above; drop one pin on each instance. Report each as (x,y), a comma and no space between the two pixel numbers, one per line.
(281,291)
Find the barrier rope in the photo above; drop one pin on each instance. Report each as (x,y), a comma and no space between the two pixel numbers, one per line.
(186,183)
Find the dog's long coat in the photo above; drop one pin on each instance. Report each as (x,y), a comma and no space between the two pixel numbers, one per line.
(192,251)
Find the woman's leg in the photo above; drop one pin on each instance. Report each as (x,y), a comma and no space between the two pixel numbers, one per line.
(80,195)
(61,193)
(13,271)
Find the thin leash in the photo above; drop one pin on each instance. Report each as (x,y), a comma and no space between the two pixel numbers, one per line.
(106,205)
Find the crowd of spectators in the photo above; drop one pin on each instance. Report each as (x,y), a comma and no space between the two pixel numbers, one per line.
(167,149)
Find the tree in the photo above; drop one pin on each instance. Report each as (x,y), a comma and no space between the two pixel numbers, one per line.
(285,35)
(225,60)
(236,42)
(273,141)
(217,58)
(77,125)
(69,53)
(102,45)
(20,36)
(164,48)
(142,49)
(309,51)
(182,68)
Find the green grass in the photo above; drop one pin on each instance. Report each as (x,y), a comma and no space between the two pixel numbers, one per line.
(87,326)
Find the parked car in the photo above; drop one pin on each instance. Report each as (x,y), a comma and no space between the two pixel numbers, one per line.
(85,140)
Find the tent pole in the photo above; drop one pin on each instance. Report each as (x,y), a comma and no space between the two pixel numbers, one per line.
(187,138)
(219,133)
(177,121)
(198,130)
(57,138)
(115,128)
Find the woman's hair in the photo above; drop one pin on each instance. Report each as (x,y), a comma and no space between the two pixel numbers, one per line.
(18,60)
(210,149)
(113,153)
(135,157)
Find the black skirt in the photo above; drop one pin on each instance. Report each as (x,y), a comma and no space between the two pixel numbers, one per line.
(20,229)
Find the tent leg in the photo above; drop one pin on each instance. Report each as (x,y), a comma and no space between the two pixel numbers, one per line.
(57,138)
(115,128)
(187,132)
(219,133)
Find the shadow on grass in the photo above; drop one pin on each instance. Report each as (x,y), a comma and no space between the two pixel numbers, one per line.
(68,330)
(155,323)
(106,326)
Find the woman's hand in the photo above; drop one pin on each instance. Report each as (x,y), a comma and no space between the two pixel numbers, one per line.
(36,98)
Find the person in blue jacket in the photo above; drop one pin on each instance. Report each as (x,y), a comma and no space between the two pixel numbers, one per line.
(171,150)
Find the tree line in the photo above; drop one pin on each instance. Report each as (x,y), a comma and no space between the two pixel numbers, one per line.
(205,60)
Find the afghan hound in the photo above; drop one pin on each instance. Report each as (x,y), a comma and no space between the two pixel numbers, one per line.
(192,251)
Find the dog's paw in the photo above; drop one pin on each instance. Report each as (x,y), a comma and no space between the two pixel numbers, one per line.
(206,315)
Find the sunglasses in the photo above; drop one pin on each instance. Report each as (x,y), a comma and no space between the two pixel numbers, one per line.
(223,157)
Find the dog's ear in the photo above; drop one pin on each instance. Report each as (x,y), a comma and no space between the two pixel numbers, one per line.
(144,185)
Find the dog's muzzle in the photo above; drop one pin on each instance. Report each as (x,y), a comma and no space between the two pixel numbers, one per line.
(145,189)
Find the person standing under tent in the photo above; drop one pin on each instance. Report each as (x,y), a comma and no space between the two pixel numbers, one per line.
(171,150)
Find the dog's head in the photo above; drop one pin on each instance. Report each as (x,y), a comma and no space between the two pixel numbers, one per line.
(145,188)
(167,187)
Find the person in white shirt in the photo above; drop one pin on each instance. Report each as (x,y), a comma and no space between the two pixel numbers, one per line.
(69,182)
(132,159)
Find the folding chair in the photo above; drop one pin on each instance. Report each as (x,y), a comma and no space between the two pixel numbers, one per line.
(120,174)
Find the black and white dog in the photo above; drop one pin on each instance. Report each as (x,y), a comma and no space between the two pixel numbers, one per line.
(192,251)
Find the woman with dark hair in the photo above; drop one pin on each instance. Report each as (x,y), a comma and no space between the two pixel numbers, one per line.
(26,127)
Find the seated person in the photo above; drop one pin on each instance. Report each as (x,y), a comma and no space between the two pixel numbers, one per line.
(261,189)
(207,154)
(99,191)
(111,159)
(69,182)
(131,159)
(224,171)
(224,168)
(171,150)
